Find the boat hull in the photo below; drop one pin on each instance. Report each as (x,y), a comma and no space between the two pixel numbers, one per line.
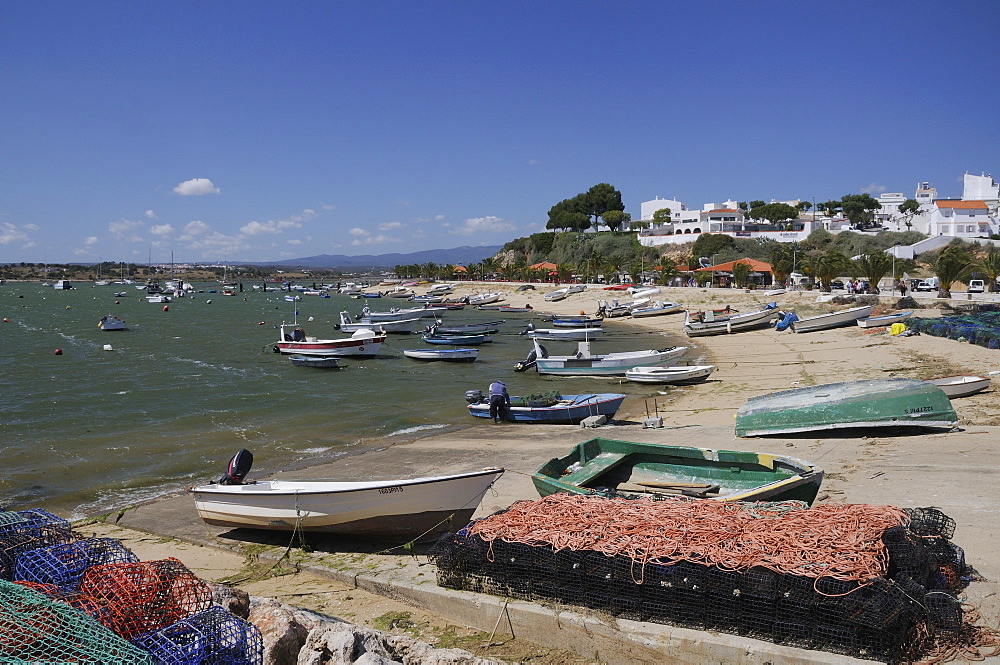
(961,386)
(392,508)
(565,334)
(571,409)
(862,404)
(318,362)
(741,476)
(887,320)
(832,320)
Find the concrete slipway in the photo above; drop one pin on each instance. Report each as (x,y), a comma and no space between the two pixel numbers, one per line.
(955,472)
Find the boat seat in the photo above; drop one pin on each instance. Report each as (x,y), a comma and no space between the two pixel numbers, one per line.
(596,467)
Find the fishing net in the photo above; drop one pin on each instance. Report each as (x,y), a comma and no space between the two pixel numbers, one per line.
(26,530)
(146,596)
(34,628)
(213,636)
(64,565)
(825,577)
(981,327)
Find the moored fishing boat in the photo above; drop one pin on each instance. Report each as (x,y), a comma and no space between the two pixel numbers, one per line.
(657,308)
(484,298)
(457,340)
(364,342)
(576,322)
(829,320)
(349,325)
(585,363)
(397,508)
(563,334)
(961,386)
(110,322)
(862,404)
(884,320)
(677,375)
(484,328)
(557,409)
(710,322)
(600,465)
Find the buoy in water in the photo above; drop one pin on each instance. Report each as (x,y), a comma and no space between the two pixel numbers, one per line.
(107,347)
(208,302)
(259,323)
(58,352)
(117,303)
(166,308)
(6,320)
(68,307)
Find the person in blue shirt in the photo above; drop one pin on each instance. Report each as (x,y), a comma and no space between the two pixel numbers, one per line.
(499,401)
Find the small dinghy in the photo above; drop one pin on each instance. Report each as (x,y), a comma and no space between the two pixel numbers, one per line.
(448,355)
(380,509)
(884,320)
(319,362)
(961,386)
(678,375)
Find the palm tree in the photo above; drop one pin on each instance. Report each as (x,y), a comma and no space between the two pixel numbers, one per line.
(741,273)
(829,265)
(989,265)
(782,262)
(953,264)
(873,267)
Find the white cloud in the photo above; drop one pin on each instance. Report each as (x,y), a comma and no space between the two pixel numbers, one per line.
(195,228)
(90,240)
(873,188)
(368,239)
(150,214)
(294,242)
(358,233)
(126,229)
(489,224)
(196,187)
(161,230)
(256,228)
(388,226)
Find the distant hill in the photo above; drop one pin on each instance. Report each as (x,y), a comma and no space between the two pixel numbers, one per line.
(455,255)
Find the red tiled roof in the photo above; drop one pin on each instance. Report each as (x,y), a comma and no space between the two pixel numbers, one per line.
(964,205)
(755,265)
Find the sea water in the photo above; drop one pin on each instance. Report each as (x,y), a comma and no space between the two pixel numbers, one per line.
(191,382)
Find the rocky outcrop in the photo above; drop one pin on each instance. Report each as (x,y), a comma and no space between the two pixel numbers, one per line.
(298,637)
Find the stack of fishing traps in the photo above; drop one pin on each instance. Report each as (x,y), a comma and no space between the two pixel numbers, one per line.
(69,599)
(855,580)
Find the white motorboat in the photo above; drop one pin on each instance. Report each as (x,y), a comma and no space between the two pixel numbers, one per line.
(349,325)
(485,298)
(364,343)
(157,298)
(884,320)
(961,386)
(406,508)
(563,334)
(585,363)
(639,292)
(441,289)
(400,292)
(558,294)
(110,322)
(447,355)
(721,322)
(657,308)
(677,375)
(829,320)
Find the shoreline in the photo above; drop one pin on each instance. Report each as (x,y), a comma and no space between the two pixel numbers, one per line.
(951,471)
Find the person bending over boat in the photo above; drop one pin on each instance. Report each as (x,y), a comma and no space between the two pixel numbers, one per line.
(499,401)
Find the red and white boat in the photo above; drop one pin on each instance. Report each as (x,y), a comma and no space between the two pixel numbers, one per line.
(293,340)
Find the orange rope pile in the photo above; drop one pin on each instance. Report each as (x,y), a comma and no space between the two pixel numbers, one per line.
(832,539)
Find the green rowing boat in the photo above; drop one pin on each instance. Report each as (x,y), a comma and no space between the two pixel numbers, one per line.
(861,404)
(648,469)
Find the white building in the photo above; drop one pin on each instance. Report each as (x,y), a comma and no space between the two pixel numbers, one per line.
(962,219)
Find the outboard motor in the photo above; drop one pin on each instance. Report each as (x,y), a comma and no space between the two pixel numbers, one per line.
(530,361)
(239,467)
(474,396)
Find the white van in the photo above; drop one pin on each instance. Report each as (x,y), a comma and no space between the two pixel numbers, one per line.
(929,284)
(976,286)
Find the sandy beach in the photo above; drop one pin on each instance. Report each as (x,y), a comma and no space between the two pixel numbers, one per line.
(953,471)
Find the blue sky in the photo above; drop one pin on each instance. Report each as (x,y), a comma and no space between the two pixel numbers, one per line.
(255,131)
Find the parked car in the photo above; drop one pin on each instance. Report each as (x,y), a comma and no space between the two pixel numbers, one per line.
(976,286)
(927,285)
